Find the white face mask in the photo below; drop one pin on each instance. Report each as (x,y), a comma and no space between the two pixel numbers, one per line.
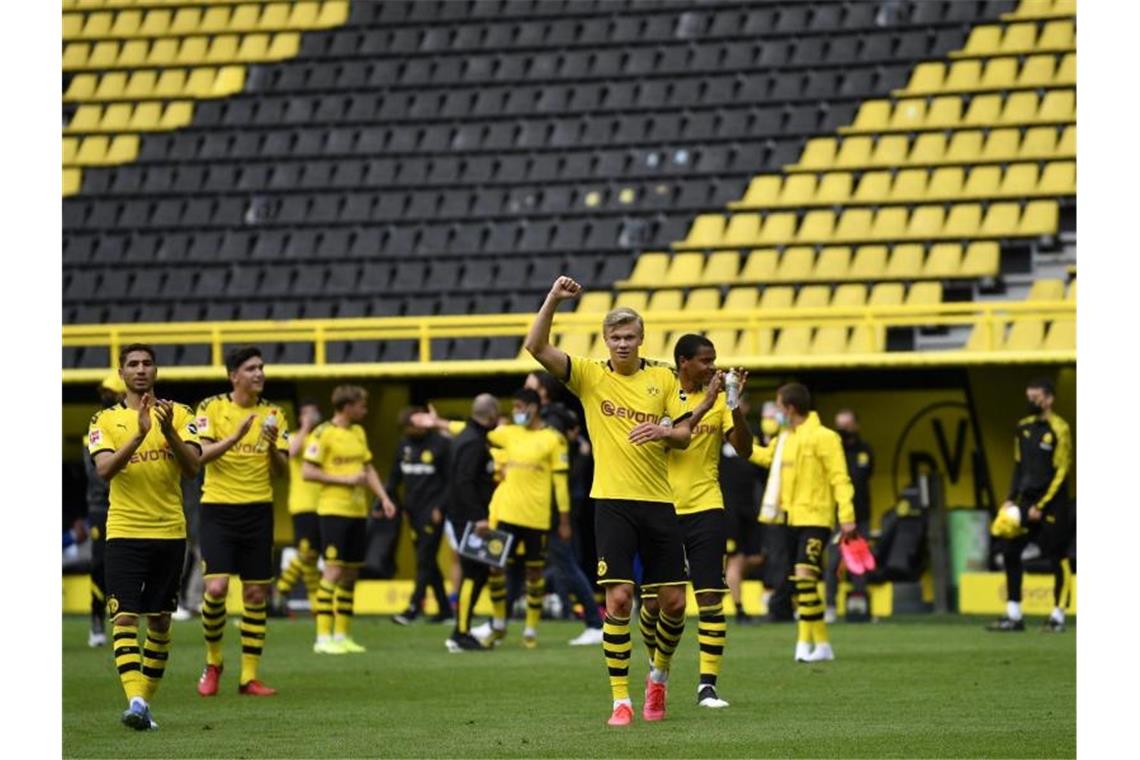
(780,418)
(521,418)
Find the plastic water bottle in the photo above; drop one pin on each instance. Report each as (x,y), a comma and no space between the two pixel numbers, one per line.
(732,390)
(269,422)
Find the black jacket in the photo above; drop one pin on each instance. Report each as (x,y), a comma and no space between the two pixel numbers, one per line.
(470,476)
(860,465)
(421,465)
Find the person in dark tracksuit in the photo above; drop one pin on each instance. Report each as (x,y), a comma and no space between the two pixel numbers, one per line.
(470,485)
(420,466)
(1042,456)
(860,466)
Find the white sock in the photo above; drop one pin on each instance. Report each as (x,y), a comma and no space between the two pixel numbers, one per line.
(627,702)
(338,637)
(1058,615)
(323,638)
(658,676)
(140,700)
(499,624)
(530,633)
(1013,610)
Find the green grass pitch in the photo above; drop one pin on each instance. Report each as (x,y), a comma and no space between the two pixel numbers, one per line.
(914,687)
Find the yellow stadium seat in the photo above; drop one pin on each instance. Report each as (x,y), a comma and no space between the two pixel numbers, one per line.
(722,267)
(333,13)
(817,226)
(829,340)
(576,343)
(1067,70)
(215,20)
(890,224)
(1001,220)
(965,220)
(964,76)
(703,299)
(684,269)
(909,185)
(163,52)
(755,342)
(835,188)
(945,111)
(637,300)
(983,182)
(93,150)
(124,148)
(1019,38)
(908,114)
(946,183)
(854,224)
(1067,145)
(116,117)
(245,17)
(796,264)
(926,77)
(925,222)
(144,118)
(890,150)
(986,336)
(833,263)
(929,148)
(798,190)
(819,152)
(1025,334)
(171,83)
(72,180)
(763,190)
(725,341)
(742,230)
(1039,218)
(156,23)
(1059,178)
(135,53)
(924,294)
(1049,289)
(649,270)
(1032,9)
(104,55)
(849,295)
(85,119)
(72,26)
(873,116)
(982,259)
(274,16)
(779,227)
(222,48)
(873,187)
(793,340)
(303,15)
(760,266)
(1037,71)
(1019,179)
(983,41)
(855,151)
(594,302)
(200,83)
(1057,35)
(983,111)
(98,24)
(999,74)
(1071,293)
(284,45)
(1020,108)
(886,294)
(1058,106)
(665,300)
(1039,142)
(905,262)
(1062,336)
(141,84)
(254,47)
(706,232)
(741,299)
(230,80)
(1065,8)
(177,115)
(965,147)
(70,150)
(82,87)
(943,261)
(777,297)
(1001,145)
(866,339)
(870,262)
(75,55)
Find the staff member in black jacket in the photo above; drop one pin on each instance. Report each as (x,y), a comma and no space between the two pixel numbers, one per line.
(470,484)
(421,465)
(860,466)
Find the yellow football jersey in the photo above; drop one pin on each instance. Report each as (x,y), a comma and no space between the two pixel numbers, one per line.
(241,475)
(146,495)
(303,494)
(694,473)
(615,404)
(340,451)
(530,459)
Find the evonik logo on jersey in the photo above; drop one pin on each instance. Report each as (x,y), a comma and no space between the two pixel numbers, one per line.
(610,409)
(153,455)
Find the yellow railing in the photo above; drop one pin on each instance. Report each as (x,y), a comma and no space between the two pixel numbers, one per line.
(993,317)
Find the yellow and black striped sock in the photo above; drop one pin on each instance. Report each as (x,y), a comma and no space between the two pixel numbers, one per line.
(647,622)
(669,630)
(253,629)
(535,592)
(712,632)
(155,653)
(345,598)
(128,660)
(213,626)
(291,575)
(311,575)
(811,626)
(617,647)
(325,591)
(497,589)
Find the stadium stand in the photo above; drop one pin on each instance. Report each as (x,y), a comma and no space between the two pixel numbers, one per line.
(755,162)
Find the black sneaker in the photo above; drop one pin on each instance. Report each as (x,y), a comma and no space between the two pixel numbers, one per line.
(1004,625)
(707,697)
(463,642)
(407,617)
(1052,626)
(743,618)
(442,617)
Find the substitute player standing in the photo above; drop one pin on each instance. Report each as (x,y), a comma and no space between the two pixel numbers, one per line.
(303,496)
(244,444)
(143,446)
(627,401)
(337,456)
(694,474)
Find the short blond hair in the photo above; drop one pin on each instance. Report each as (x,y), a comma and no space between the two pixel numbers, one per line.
(343,395)
(622,315)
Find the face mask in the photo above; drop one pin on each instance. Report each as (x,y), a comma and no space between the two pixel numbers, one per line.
(769,426)
(781,419)
(521,418)
(849,436)
(1034,408)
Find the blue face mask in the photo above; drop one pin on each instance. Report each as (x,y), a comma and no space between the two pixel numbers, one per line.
(521,418)
(781,419)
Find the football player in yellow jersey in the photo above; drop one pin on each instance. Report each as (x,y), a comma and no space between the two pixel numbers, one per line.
(303,509)
(635,411)
(694,474)
(143,446)
(535,463)
(337,456)
(244,445)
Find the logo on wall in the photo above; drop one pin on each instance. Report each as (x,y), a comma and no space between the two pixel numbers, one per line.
(941,438)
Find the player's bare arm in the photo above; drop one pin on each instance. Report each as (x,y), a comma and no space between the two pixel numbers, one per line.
(312,472)
(186,454)
(212,449)
(537,342)
(372,479)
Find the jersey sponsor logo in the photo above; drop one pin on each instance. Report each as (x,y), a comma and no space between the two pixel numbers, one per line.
(154,455)
(705,429)
(416,468)
(610,409)
(339,460)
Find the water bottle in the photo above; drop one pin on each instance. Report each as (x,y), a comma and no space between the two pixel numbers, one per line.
(269,422)
(732,389)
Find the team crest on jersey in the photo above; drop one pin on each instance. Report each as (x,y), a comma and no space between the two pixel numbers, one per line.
(1047,438)
(313,450)
(330,552)
(95,437)
(112,605)
(602,568)
(653,390)
(203,423)
(426,457)
(863,459)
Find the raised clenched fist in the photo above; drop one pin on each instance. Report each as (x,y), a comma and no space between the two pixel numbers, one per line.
(565,288)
